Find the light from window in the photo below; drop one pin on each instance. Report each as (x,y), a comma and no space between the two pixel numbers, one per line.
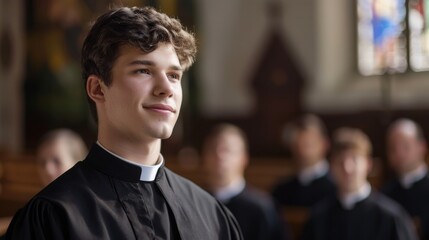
(381,36)
(418,23)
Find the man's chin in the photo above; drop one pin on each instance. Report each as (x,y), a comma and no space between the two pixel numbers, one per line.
(165,134)
(165,137)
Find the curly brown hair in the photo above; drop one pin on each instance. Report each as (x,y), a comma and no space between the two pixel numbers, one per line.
(143,28)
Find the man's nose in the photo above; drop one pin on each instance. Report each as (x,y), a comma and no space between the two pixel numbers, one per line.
(349,166)
(163,86)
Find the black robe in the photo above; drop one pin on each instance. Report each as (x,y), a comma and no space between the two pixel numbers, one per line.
(256,215)
(102,197)
(374,218)
(290,192)
(414,199)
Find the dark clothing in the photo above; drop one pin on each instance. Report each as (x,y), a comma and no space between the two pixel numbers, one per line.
(256,215)
(414,199)
(290,192)
(102,197)
(374,218)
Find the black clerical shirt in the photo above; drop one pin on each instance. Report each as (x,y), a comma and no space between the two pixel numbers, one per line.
(102,197)
(373,218)
(415,199)
(291,192)
(256,215)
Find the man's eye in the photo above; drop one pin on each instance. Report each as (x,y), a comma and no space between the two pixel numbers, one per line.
(142,71)
(175,76)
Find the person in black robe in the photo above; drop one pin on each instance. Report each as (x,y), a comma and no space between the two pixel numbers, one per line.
(357,212)
(308,142)
(225,158)
(57,152)
(133,60)
(406,150)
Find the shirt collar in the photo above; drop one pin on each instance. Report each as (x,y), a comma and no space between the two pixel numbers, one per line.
(349,201)
(147,173)
(226,193)
(308,175)
(408,179)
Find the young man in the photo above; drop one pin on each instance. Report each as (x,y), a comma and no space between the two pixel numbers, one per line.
(357,212)
(307,139)
(58,151)
(133,60)
(406,150)
(225,158)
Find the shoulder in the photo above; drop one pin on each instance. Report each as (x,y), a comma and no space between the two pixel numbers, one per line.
(189,194)
(390,187)
(30,221)
(284,184)
(65,184)
(324,207)
(255,203)
(423,184)
(256,197)
(204,209)
(386,205)
(325,181)
(183,185)
(78,183)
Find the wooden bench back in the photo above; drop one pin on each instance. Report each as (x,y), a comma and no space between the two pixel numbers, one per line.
(19,181)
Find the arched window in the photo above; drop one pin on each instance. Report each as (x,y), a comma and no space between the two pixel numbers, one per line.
(393,36)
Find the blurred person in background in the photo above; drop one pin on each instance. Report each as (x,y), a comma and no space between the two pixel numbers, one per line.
(357,211)
(225,158)
(308,142)
(406,151)
(58,151)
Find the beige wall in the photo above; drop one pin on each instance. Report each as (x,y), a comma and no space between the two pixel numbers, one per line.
(232,37)
(321,35)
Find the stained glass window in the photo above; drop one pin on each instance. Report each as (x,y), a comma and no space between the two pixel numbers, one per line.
(381,36)
(418,23)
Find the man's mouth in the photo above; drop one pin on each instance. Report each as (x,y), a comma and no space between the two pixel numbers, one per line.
(162,108)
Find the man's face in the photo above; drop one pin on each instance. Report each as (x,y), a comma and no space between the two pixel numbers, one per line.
(350,170)
(309,146)
(144,99)
(53,159)
(405,151)
(225,156)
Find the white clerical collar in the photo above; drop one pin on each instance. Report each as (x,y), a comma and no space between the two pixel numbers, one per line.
(408,179)
(226,193)
(349,200)
(148,173)
(318,170)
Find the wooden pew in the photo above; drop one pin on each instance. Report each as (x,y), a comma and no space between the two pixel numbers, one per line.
(19,181)
(296,218)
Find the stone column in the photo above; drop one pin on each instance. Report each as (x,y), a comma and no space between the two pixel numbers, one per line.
(12,50)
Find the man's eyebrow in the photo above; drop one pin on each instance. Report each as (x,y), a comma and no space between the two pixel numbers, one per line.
(151,63)
(175,67)
(141,62)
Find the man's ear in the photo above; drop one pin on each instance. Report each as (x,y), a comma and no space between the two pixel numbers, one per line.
(94,88)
